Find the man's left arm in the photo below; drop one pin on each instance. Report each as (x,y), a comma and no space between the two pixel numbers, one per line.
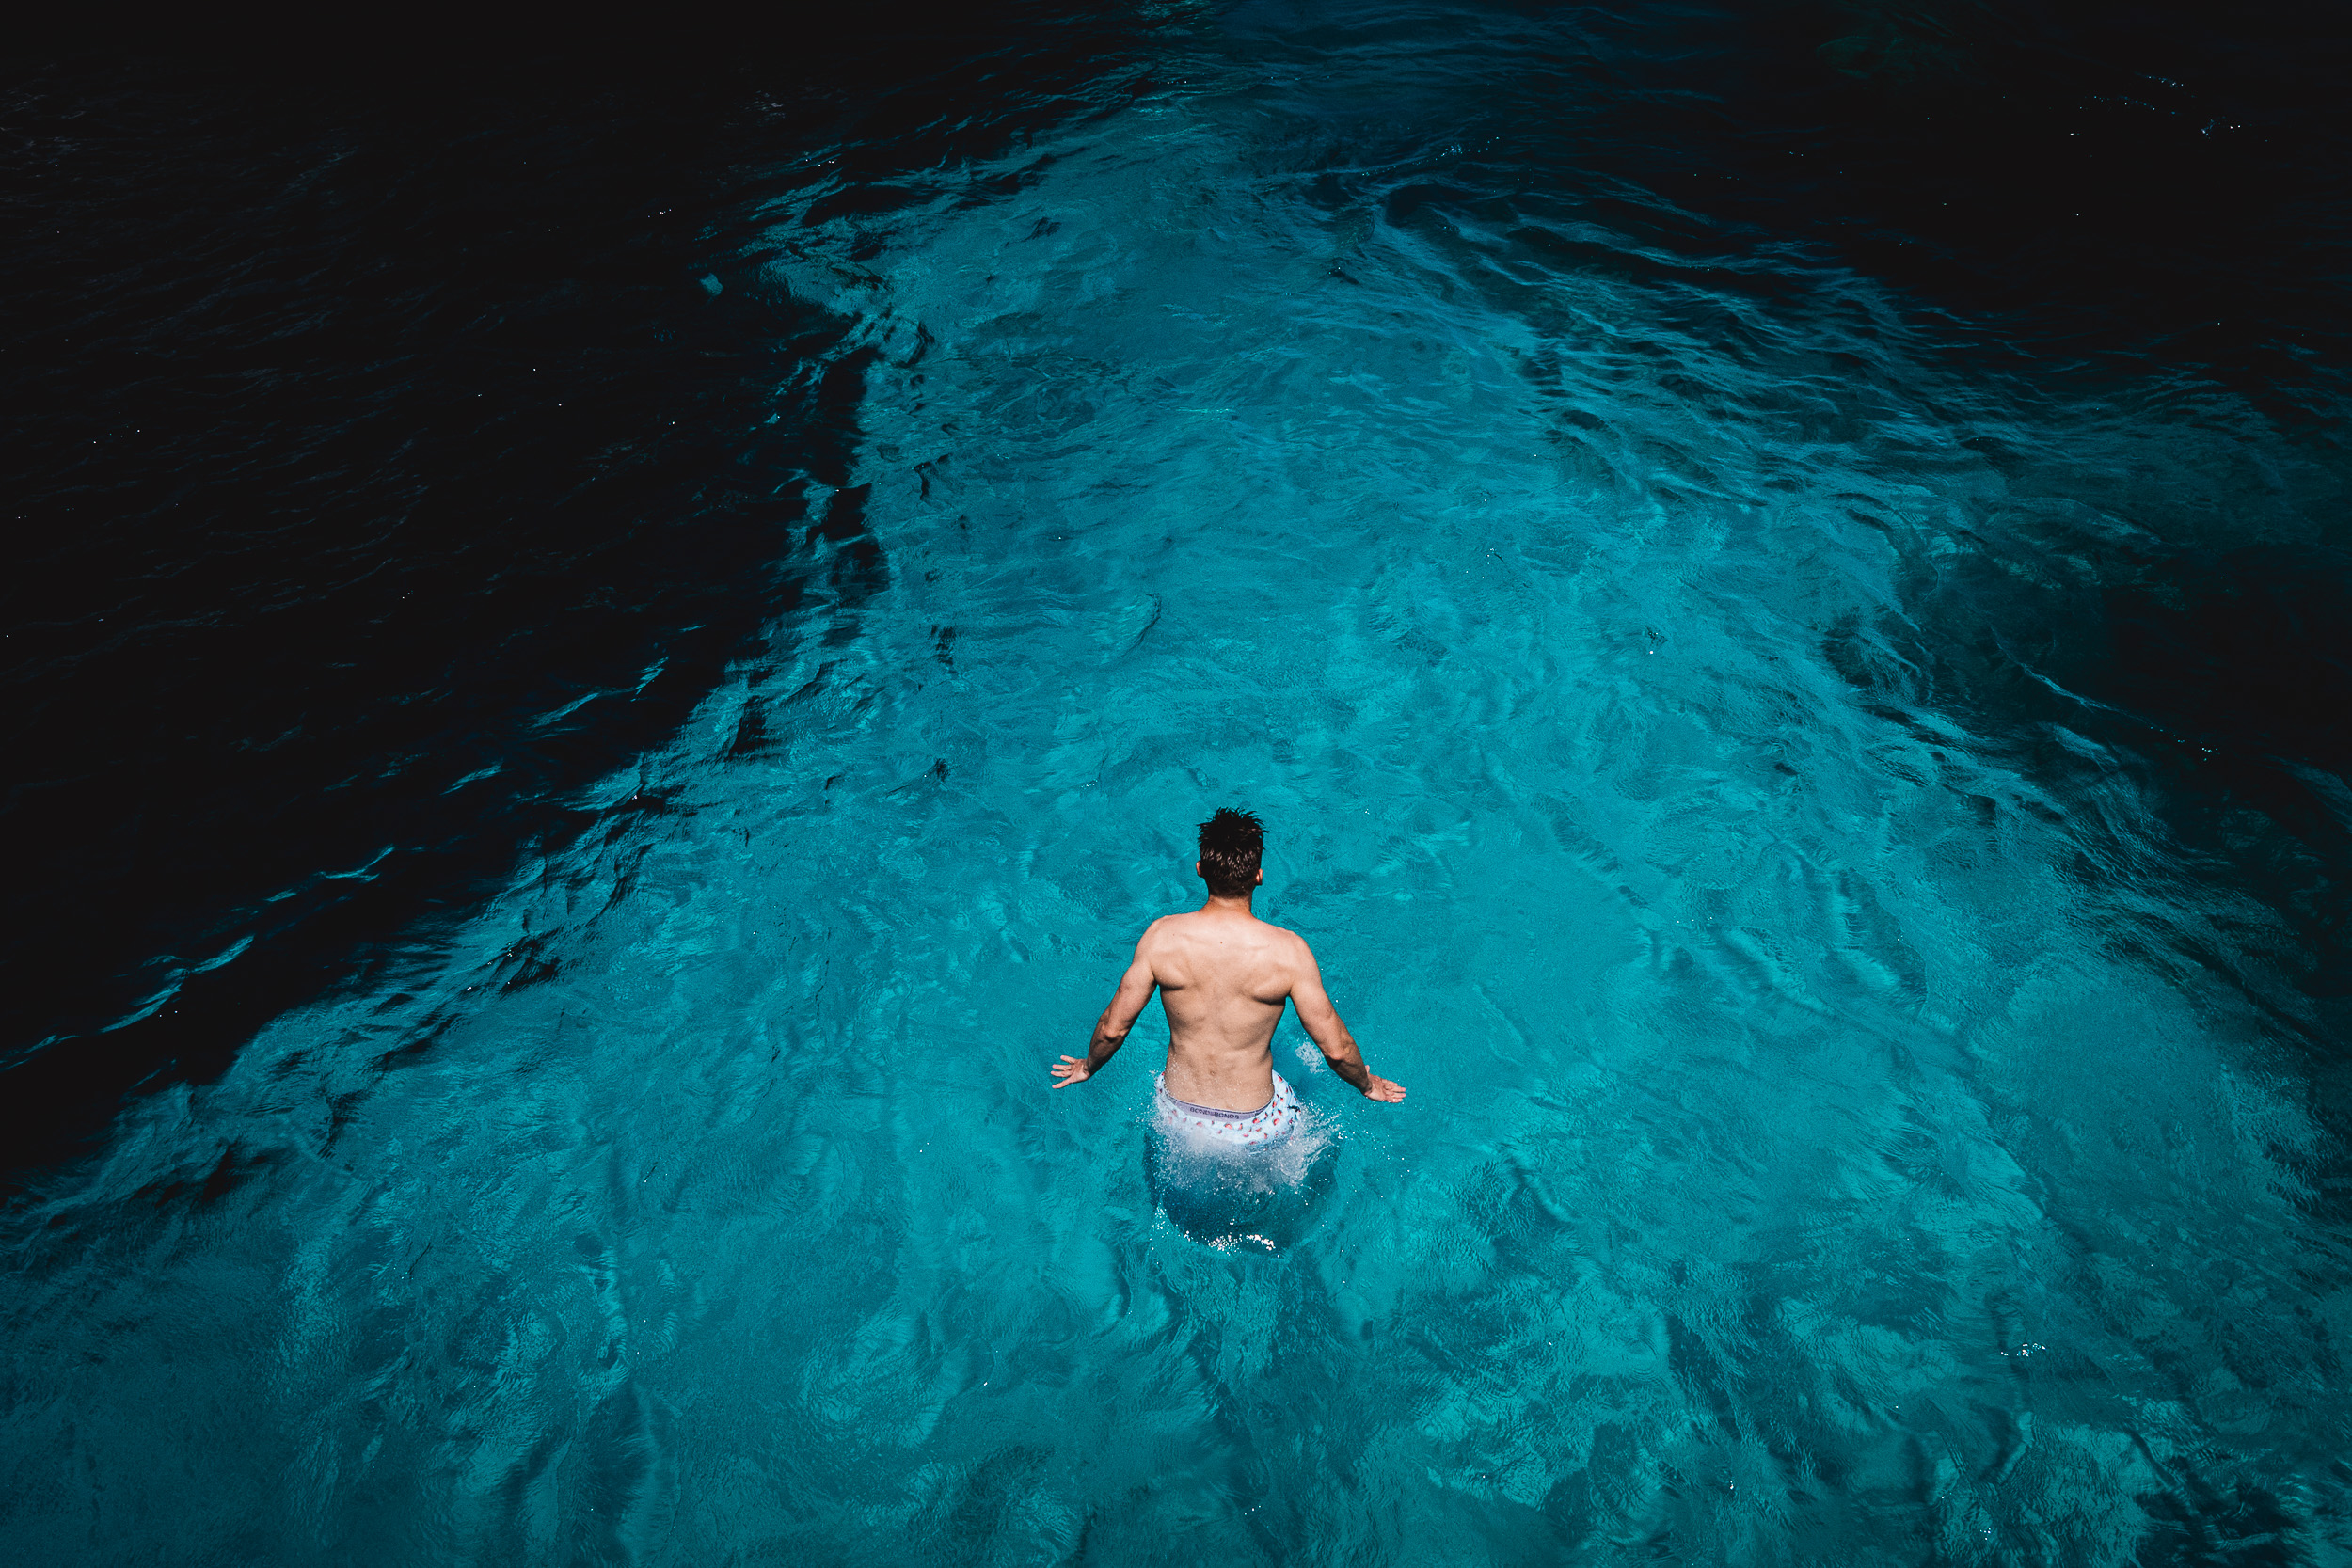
(1110,1030)
(1322,1022)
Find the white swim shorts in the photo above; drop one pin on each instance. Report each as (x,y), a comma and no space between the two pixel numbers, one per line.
(1269,1123)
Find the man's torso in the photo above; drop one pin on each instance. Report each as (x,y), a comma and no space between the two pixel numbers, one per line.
(1223,980)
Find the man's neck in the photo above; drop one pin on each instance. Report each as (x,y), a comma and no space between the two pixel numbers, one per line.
(1218,904)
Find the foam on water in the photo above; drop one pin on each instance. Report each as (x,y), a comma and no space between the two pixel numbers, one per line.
(1818,1147)
(1227,1192)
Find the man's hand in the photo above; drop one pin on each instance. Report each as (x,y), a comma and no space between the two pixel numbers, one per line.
(1074,1070)
(1386,1090)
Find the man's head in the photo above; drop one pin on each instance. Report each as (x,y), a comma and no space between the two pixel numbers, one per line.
(1231,843)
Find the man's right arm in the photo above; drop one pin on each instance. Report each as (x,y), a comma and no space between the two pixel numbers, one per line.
(1110,1030)
(1321,1022)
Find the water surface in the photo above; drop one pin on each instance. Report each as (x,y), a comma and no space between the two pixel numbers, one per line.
(1825,786)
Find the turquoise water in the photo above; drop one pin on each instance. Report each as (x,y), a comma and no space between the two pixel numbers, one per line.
(1838,1132)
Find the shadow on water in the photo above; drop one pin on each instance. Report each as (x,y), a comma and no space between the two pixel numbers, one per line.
(2075,183)
(2215,683)
(398,454)
(2186,711)
(2142,181)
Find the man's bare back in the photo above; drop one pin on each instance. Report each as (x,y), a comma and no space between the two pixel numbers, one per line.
(1223,976)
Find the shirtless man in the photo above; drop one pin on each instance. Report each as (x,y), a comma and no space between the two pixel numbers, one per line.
(1223,976)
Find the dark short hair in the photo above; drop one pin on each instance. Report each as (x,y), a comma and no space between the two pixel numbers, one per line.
(1230,845)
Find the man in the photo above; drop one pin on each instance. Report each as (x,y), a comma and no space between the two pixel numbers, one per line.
(1223,976)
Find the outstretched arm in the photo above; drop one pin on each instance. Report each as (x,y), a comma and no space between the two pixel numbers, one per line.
(1338,1046)
(1110,1030)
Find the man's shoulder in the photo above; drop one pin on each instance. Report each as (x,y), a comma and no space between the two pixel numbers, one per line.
(1293,942)
(1168,927)
(1284,940)
(1187,924)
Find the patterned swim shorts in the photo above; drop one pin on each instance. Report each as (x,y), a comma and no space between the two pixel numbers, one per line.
(1268,1124)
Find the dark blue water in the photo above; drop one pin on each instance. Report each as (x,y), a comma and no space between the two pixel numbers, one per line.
(603,659)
